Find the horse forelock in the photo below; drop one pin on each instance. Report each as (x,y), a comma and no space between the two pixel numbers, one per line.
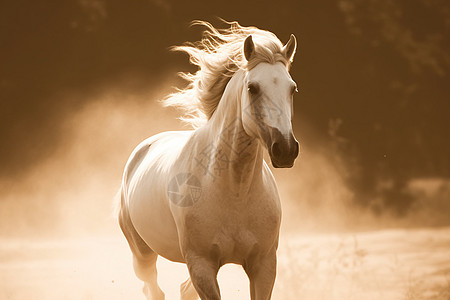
(218,56)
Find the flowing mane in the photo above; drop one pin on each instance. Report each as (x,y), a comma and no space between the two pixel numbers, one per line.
(219,56)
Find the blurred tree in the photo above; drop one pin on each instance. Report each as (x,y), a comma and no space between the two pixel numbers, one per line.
(373,74)
(402,115)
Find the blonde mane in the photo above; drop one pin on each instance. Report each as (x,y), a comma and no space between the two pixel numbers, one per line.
(219,55)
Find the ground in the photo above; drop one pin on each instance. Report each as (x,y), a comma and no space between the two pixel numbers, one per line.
(389,264)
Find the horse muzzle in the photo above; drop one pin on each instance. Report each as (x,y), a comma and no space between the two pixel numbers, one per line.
(283,151)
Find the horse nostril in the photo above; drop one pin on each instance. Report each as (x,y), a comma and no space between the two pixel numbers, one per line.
(276,151)
(296,148)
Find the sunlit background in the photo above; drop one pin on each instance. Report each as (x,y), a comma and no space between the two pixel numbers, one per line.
(366,207)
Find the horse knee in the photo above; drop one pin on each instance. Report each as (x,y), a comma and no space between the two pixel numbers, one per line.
(184,287)
(203,274)
(187,291)
(145,269)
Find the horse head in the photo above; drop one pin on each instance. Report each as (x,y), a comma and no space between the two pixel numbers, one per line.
(267,102)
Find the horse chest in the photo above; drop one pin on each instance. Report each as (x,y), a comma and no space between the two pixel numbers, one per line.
(231,233)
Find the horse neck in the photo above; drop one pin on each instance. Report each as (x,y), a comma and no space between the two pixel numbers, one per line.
(239,157)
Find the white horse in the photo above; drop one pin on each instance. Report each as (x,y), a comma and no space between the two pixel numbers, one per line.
(206,197)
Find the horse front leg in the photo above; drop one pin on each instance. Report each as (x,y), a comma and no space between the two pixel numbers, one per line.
(261,272)
(203,273)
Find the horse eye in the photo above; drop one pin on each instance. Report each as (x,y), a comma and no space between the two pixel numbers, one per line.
(253,89)
(294,89)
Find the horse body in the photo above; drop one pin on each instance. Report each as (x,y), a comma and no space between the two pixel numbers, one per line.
(206,197)
(224,221)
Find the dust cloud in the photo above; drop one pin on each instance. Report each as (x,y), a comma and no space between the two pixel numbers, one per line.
(71,192)
(60,238)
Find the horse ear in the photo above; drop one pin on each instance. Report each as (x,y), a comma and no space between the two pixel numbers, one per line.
(249,48)
(290,47)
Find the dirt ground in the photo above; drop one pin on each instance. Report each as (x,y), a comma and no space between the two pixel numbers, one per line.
(389,264)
